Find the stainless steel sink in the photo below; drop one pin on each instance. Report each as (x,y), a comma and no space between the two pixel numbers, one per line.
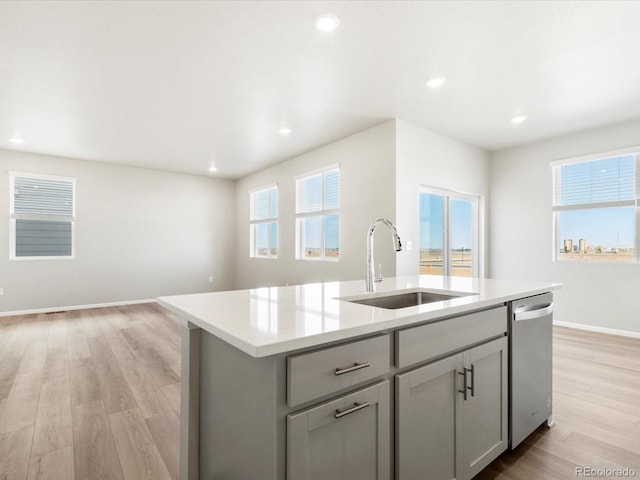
(409,299)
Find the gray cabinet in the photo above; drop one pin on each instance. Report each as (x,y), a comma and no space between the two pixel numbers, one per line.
(485,412)
(429,421)
(451,415)
(343,439)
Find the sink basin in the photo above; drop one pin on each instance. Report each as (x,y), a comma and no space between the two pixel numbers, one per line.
(409,299)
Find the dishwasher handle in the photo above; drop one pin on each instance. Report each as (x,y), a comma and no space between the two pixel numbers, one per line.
(533,314)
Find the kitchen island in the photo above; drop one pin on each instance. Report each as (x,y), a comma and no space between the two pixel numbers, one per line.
(304,382)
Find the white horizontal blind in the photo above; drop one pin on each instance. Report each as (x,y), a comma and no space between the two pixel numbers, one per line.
(332,190)
(40,196)
(318,192)
(264,203)
(595,182)
(263,228)
(42,216)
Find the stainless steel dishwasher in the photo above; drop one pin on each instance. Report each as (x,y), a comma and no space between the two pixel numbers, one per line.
(530,365)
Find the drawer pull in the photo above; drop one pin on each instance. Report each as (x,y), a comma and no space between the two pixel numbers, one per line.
(465,387)
(356,366)
(356,406)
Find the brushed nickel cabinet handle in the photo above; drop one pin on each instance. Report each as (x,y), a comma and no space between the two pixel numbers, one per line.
(356,366)
(356,406)
(473,380)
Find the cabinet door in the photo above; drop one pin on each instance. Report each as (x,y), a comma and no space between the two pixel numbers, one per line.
(485,410)
(343,439)
(429,421)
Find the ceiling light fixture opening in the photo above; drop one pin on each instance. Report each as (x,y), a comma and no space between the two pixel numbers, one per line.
(436,82)
(16,140)
(327,22)
(213,169)
(518,119)
(284,131)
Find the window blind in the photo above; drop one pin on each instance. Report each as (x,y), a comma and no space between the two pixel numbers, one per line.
(264,204)
(39,196)
(318,192)
(595,182)
(332,190)
(263,230)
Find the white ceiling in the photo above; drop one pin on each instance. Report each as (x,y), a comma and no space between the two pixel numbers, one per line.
(179,85)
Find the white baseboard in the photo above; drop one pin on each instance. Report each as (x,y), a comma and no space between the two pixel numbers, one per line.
(75,307)
(591,328)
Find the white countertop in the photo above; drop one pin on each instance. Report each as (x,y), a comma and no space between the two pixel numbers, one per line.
(271,320)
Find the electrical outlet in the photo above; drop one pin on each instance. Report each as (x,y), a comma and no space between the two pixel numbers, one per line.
(211,279)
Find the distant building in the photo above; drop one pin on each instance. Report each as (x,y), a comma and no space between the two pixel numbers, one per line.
(582,245)
(568,246)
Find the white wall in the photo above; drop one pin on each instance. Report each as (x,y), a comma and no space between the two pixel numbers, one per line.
(426,158)
(139,234)
(594,294)
(367,175)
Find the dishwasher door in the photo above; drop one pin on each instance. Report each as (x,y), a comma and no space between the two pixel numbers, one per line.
(530,372)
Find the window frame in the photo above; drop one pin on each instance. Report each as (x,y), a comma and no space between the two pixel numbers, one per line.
(21,216)
(322,213)
(557,209)
(476,201)
(253,222)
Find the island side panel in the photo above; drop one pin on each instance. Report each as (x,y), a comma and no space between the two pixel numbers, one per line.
(190,402)
(242,424)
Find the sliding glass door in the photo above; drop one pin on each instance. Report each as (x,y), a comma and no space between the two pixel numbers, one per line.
(448,233)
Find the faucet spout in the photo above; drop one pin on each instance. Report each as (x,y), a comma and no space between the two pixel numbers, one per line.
(397,246)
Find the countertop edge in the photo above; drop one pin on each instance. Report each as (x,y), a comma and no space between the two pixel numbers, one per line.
(290,345)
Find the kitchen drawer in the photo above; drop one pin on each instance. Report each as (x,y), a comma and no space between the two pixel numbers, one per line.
(322,372)
(348,437)
(419,344)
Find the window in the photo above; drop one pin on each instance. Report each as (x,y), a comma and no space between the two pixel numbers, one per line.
(263,220)
(42,216)
(449,236)
(318,215)
(595,206)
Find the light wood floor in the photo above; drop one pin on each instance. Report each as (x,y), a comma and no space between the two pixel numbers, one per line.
(94,394)
(90,395)
(596,407)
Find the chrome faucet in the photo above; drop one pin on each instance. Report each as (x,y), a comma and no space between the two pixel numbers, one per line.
(397,245)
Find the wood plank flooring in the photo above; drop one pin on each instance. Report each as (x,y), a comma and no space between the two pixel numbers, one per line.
(596,407)
(90,395)
(95,394)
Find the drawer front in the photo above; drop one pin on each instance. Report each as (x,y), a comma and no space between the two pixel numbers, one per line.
(322,372)
(348,437)
(419,344)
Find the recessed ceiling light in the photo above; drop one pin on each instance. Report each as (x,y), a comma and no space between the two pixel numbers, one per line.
(213,169)
(284,131)
(436,82)
(518,119)
(327,22)
(16,140)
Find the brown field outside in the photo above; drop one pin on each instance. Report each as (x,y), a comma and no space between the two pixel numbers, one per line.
(317,252)
(461,263)
(625,256)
